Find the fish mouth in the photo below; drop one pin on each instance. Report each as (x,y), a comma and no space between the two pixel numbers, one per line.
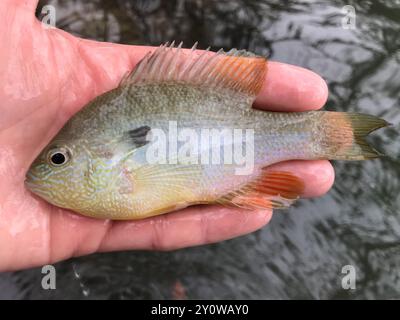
(30,184)
(35,188)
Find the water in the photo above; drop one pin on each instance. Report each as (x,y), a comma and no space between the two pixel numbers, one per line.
(300,254)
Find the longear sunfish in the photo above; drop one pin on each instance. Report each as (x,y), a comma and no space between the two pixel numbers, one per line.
(110,159)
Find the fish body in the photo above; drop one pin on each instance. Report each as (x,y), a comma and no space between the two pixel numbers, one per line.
(180,130)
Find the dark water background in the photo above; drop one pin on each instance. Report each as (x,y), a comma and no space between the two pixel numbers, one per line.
(300,254)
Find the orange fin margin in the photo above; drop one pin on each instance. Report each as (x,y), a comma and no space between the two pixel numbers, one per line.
(272,190)
(238,70)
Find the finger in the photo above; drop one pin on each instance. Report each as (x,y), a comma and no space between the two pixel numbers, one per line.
(185,228)
(291,88)
(189,227)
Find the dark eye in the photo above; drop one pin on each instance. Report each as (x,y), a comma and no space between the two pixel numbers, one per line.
(58,157)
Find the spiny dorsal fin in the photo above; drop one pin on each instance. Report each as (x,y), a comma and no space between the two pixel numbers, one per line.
(237,70)
(272,190)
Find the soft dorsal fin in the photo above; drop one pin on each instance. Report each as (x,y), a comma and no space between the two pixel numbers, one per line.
(238,70)
(272,190)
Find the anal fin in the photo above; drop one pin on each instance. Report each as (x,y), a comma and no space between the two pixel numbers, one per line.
(271,190)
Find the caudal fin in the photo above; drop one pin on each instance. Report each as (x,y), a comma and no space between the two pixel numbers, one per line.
(344,135)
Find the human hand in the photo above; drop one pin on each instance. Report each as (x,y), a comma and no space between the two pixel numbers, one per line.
(46,75)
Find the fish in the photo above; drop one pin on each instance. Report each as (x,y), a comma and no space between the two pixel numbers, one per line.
(179,130)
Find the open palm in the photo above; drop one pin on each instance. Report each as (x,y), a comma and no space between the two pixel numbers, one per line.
(46,75)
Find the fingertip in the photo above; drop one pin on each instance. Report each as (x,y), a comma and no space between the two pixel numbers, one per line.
(318,175)
(321,176)
(292,88)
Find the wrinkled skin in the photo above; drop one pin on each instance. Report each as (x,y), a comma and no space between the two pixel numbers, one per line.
(45,77)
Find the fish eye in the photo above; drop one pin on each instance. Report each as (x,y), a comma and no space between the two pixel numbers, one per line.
(58,157)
